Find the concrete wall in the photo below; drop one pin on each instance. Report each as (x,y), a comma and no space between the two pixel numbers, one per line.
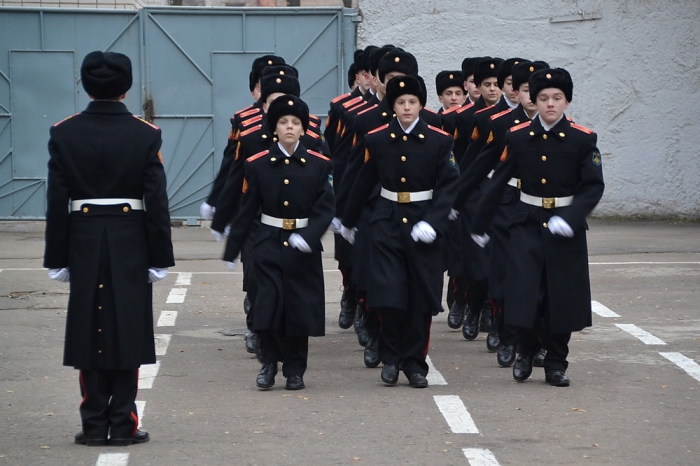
(636,73)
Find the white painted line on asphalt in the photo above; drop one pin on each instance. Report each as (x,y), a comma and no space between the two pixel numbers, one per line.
(480,457)
(140,410)
(645,337)
(685,363)
(147,375)
(112,459)
(18,269)
(644,263)
(167,318)
(183,279)
(177,295)
(162,342)
(434,376)
(601,310)
(456,414)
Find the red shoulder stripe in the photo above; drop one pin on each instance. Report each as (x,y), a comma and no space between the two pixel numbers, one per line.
(582,128)
(144,121)
(466,107)
(250,121)
(317,154)
(340,97)
(438,130)
(65,119)
(352,102)
(313,124)
(378,129)
(249,130)
(247,113)
(357,107)
(500,114)
(451,109)
(520,126)
(483,109)
(312,134)
(257,156)
(368,109)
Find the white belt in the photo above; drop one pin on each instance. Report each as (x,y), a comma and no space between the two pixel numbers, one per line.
(136,204)
(546,202)
(284,223)
(406,197)
(514,182)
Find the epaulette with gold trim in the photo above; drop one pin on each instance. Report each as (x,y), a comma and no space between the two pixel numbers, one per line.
(500,114)
(65,119)
(483,109)
(582,128)
(317,154)
(368,109)
(250,130)
(465,108)
(312,134)
(378,129)
(149,124)
(352,102)
(247,113)
(520,126)
(340,97)
(257,156)
(438,130)
(250,121)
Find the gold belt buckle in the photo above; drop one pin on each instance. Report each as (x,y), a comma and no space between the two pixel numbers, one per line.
(548,202)
(289,224)
(404,198)
(519,183)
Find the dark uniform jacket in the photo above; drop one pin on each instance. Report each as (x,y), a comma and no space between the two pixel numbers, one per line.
(405,274)
(557,163)
(106,152)
(289,282)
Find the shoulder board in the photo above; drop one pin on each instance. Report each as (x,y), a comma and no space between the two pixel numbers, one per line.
(250,121)
(378,129)
(483,109)
(313,124)
(247,111)
(257,156)
(451,109)
(313,117)
(500,114)
(466,107)
(368,109)
(250,130)
(357,107)
(520,126)
(149,124)
(66,118)
(582,128)
(312,134)
(317,154)
(340,97)
(352,102)
(429,110)
(438,130)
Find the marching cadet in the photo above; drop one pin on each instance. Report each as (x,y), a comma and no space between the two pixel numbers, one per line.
(292,187)
(108,233)
(448,85)
(561,177)
(414,166)
(468,66)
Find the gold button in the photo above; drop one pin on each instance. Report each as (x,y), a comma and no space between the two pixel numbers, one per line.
(303,160)
(273,159)
(544,224)
(405,220)
(392,135)
(99,308)
(286,161)
(99,329)
(286,181)
(383,114)
(544,158)
(85,210)
(421,136)
(403,180)
(100,285)
(405,138)
(544,136)
(99,351)
(286,243)
(264,136)
(517,121)
(286,203)
(403,158)
(544,181)
(562,135)
(532,133)
(125,209)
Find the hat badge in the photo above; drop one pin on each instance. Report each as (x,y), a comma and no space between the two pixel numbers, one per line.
(291,103)
(402,84)
(548,76)
(269,62)
(282,72)
(492,66)
(278,80)
(532,68)
(452,76)
(397,59)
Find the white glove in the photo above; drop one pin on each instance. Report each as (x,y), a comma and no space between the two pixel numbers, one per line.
(453,214)
(206,211)
(156,275)
(422,231)
(335,225)
(558,226)
(482,241)
(217,236)
(60,275)
(227,230)
(348,233)
(231,265)
(297,242)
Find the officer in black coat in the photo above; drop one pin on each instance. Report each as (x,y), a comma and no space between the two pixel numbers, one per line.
(413,164)
(108,233)
(290,190)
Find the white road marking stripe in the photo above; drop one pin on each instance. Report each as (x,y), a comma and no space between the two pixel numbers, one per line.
(685,363)
(183,279)
(162,342)
(479,457)
(602,310)
(112,459)
(434,376)
(140,410)
(167,319)
(646,337)
(456,414)
(177,295)
(147,375)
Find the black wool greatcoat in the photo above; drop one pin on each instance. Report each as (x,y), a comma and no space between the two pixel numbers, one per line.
(106,152)
(290,283)
(563,161)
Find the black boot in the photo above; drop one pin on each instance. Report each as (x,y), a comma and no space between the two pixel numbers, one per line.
(455,317)
(266,377)
(360,325)
(372,353)
(493,340)
(486,317)
(470,329)
(347,310)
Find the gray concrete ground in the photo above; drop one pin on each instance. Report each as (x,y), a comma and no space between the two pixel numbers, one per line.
(628,403)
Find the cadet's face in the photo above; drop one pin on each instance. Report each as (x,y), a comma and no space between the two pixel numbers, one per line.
(551,104)
(269,100)
(452,97)
(407,107)
(524,98)
(381,86)
(289,129)
(490,91)
(511,94)
(472,90)
(364,80)
(256,92)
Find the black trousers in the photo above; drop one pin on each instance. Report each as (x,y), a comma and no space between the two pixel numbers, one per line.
(507,334)
(108,404)
(273,346)
(404,339)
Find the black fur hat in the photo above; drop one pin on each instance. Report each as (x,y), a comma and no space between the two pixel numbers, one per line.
(468,65)
(287,105)
(551,77)
(280,69)
(397,60)
(402,85)
(486,68)
(376,55)
(367,57)
(273,83)
(506,69)
(259,65)
(106,75)
(351,75)
(445,79)
(359,60)
(523,70)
